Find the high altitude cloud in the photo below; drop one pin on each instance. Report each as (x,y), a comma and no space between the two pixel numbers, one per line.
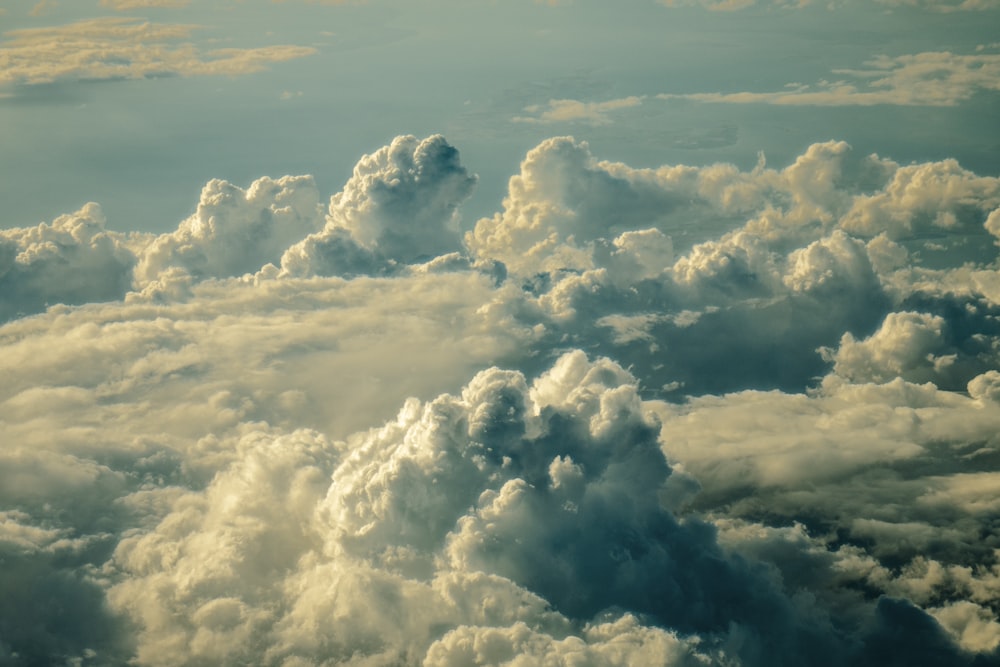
(399,206)
(938,78)
(124,48)
(409,459)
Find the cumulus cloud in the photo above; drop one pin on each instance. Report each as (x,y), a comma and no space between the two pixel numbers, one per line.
(235,231)
(494,521)
(73,260)
(399,206)
(124,48)
(362,438)
(563,201)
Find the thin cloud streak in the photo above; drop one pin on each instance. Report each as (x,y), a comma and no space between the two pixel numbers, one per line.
(125,48)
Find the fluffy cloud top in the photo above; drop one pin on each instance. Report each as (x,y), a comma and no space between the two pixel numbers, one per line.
(327,462)
(400,205)
(236,231)
(73,260)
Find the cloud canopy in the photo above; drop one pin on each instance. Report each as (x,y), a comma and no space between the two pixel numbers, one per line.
(572,435)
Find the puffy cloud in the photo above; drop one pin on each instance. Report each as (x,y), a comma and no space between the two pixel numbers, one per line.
(235,231)
(73,260)
(200,586)
(564,200)
(400,205)
(972,626)
(246,463)
(115,48)
(621,642)
(926,198)
(921,347)
(477,524)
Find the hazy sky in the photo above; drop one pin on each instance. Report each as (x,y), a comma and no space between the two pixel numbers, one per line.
(566,333)
(138,119)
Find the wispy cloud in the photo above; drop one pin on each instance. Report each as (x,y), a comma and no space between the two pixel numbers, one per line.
(125,5)
(575,111)
(924,79)
(124,48)
(930,5)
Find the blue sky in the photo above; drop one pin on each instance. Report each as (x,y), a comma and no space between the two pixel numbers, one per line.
(500,333)
(365,72)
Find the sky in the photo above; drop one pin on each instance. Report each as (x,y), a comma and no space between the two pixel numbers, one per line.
(443,333)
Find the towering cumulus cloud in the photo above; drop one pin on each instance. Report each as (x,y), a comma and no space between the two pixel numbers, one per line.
(691,415)
(236,231)
(400,206)
(74,260)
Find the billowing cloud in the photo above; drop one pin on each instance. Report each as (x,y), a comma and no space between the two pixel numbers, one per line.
(124,48)
(399,206)
(235,231)
(73,260)
(685,415)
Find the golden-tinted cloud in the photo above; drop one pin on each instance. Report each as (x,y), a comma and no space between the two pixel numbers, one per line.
(124,48)
(936,78)
(591,113)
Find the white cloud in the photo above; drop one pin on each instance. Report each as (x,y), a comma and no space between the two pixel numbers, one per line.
(126,5)
(400,205)
(931,197)
(614,644)
(975,628)
(574,111)
(124,48)
(310,465)
(934,78)
(73,260)
(235,231)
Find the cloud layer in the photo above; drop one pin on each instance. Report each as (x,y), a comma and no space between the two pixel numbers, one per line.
(687,415)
